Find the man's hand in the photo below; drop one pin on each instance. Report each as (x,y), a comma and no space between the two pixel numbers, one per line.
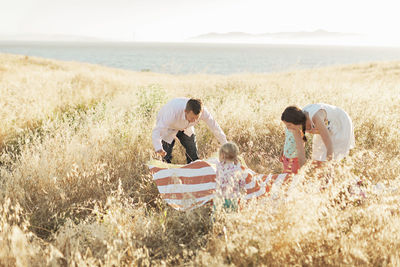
(161,152)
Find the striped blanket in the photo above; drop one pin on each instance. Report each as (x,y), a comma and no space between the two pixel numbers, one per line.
(185,187)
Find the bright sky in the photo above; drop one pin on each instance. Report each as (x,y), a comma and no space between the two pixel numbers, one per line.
(177,20)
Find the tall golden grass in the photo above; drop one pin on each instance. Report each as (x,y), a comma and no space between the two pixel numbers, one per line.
(76,191)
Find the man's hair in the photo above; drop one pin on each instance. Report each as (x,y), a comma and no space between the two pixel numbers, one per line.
(194,105)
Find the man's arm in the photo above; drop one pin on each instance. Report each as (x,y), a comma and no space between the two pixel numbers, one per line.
(162,125)
(213,125)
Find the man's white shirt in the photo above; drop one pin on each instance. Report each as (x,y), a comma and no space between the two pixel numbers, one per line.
(171,119)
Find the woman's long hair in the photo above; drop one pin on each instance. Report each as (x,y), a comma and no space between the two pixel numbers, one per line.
(296,116)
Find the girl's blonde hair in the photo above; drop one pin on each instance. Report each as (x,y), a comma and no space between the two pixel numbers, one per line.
(229,151)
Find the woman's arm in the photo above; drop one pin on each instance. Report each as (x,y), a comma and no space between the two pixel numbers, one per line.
(301,154)
(318,120)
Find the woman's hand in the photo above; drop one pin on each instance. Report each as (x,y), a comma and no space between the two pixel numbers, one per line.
(298,138)
(296,129)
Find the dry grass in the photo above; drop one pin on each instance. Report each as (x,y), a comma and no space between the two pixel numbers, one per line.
(75,139)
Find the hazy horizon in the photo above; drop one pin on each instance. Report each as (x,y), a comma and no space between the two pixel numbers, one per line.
(179,20)
(358,40)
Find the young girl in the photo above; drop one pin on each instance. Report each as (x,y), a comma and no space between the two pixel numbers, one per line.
(231,178)
(332,128)
(293,156)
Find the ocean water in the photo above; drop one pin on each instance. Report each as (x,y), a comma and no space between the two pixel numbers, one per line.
(185,58)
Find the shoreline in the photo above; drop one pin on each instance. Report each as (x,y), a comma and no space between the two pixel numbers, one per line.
(187,58)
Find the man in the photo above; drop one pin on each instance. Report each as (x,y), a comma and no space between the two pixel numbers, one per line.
(176,119)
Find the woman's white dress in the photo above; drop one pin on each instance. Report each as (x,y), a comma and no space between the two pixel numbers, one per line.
(340,127)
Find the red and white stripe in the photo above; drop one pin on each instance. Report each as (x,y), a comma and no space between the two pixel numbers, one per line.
(193,185)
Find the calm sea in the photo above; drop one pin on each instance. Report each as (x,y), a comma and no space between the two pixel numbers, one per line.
(183,58)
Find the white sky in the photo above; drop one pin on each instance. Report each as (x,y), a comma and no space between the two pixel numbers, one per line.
(177,20)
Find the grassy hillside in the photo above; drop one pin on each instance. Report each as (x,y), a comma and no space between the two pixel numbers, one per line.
(75,189)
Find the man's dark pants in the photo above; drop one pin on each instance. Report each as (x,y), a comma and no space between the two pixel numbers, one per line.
(189,143)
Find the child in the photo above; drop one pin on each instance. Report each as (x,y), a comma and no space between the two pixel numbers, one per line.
(231,178)
(293,156)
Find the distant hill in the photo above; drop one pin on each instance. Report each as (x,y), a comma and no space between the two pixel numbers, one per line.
(318,35)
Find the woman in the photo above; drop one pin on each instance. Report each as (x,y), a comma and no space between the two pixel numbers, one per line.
(331,126)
